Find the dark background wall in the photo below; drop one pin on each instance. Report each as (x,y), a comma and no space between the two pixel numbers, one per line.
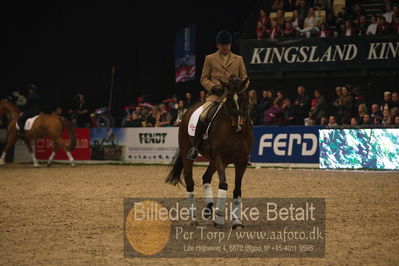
(65,49)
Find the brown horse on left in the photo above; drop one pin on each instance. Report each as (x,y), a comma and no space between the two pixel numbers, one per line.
(44,126)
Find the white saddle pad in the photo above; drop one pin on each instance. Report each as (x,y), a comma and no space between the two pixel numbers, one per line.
(28,123)
(192,124)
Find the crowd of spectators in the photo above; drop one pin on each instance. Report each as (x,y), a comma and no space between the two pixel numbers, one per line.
(306,18)
(274,108)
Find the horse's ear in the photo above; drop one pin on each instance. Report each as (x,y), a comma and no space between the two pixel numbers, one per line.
(224,84)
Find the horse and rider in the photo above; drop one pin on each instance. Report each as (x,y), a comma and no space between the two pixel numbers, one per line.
(44,125)
(228,139)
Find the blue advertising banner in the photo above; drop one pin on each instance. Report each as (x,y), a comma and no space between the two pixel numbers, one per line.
(185,54)
(286,144)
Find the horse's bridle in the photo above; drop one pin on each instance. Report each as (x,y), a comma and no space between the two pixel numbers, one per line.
(237,112)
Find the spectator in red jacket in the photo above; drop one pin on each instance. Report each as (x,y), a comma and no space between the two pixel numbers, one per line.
(349,30)
(275,31)
(383,26)
(324,31)
(289,31)
(260,31)
(395,25)
(264,18)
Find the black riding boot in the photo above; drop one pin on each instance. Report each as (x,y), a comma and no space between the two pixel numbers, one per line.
(199,132)
(21,124)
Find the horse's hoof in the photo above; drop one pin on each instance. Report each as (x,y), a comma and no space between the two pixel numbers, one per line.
(237,225)
(36,165)
(194,223)
(49,164)
(73,165)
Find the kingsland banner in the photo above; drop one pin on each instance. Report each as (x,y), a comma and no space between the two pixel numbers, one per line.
(321,53)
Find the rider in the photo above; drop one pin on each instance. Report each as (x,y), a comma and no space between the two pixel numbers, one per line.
(220,65)
(29,109)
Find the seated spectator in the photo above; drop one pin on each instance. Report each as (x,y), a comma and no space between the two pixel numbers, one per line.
(324,121)
(264,103)
(337,100)
(301,106)
(58,111)
(375,113)
(264,19)
(280,19)
(281,96)
(395,100)
(386,117)
(354,121)
(180,112)
(274,115)
(388,15)
(165,118)
(278,5)
(383,26)
(139,111)
(274,32)
(134,121)
(362,26)
(396,120)
(296,21)
(372,28)
(152,117)
(332,122)
(289,30)
(309,121)
(318,107)
(310,25)
(260,31)
(252,106)
(289,112)
(349,30)
(395,10)
(366,120)
(188,100)
(394,112)
(202,95)
(362,110)
(395,25)
(324,31)
(387,104)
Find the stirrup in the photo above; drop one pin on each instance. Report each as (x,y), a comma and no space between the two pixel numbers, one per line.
(192,154)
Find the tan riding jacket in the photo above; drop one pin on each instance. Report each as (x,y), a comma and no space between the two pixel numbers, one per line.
(214,69)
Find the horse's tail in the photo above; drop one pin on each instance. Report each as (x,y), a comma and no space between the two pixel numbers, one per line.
(68,126)
(174,175)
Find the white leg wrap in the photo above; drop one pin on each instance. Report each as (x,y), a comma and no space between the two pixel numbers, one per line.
(236,209)
(51,156)
(69,156)
(208,193)
(221,202)
(191,205)
(35,162)
(3,156)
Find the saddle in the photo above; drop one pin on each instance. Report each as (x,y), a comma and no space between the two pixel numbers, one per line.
(28,124)
(210,117)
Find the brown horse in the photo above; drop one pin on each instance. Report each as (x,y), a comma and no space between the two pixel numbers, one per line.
(229,141)
(45,125)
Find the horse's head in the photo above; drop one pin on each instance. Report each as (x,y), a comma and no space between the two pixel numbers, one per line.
(236,100)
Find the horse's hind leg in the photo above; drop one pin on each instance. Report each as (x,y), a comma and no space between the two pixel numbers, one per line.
(236,211)
(188,178)
(51,158)
(208,194)
(222,194)
(29,145)
(61,143)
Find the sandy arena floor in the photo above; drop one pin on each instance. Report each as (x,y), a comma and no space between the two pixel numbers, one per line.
(65,215)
